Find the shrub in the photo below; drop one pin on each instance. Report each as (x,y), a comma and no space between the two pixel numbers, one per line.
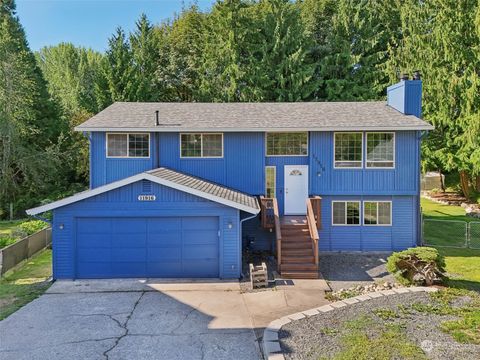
(419,266)
(31,227)
(6,240)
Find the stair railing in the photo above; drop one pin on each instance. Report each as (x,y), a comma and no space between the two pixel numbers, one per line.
(278,232)
(312,228)
(267,216)
(316,202)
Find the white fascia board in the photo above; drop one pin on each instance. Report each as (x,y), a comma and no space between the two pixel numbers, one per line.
(142,176)
(270,129)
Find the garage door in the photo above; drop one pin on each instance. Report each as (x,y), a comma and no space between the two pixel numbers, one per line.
(153,247)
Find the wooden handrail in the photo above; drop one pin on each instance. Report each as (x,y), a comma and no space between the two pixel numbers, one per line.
(312,227)
(317,210)
(278,232)
(266,214)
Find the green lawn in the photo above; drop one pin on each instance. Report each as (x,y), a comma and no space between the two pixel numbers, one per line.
(433,210)
(25,283)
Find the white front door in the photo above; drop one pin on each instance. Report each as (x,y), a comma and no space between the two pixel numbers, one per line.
(296,189)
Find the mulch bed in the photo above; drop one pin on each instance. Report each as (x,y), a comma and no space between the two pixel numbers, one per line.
(450,197)
(322,336)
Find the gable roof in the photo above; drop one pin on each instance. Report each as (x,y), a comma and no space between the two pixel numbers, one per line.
(225,117)
(173,179)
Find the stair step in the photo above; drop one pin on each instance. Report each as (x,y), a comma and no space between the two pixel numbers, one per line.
(299,274)
(297,245)
(299,266)
(286,259)
(297,252)
(294,227)
(296,238)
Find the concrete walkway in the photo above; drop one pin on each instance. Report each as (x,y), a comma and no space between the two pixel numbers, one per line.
(150,319)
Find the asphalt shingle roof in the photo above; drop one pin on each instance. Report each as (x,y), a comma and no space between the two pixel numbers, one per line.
(327,116)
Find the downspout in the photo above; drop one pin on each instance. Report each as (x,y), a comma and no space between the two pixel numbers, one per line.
(42,219)
(241,241)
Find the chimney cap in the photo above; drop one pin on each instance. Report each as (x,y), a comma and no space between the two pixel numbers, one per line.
(417,75)
(404,76)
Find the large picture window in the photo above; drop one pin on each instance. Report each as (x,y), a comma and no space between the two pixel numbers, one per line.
(201,145)
(128,145)
(380,150)
(348,150)
(287,144)
(377,213)
(270,182)
(346,212)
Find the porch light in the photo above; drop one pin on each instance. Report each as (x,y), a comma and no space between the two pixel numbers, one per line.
(230,225)
(60,226)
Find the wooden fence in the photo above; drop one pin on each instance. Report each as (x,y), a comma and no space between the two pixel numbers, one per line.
(12,255)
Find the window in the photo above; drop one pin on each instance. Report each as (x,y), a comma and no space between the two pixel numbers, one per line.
(201,145)
(346,212)
(270,182)
(348,150)
(377,213)
(128,145)
(380,150)
(287,144)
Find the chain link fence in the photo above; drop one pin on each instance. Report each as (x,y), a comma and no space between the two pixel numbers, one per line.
(451,233)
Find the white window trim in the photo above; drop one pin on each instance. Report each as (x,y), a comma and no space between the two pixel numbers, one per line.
(349,167)
(286,132)
(128,145)
(380,201)
(201,145)
(394,151)
(275,180)
(347,201)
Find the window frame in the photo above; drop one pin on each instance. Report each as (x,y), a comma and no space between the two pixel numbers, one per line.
(377,202)
(286,132)
(128,145)
(346,211)
(394,150)
(275,180)
(201,145)
(362,149)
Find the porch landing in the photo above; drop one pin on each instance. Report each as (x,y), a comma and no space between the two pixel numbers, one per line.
(293,220)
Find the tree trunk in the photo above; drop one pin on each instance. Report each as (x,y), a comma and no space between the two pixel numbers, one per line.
(442,183)
(465,183)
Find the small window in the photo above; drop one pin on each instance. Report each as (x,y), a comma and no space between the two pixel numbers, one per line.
(380,150)
(270,182)
(348,150)
(346,212)
(128,145)
(201,145)
(287,144)
(377,213)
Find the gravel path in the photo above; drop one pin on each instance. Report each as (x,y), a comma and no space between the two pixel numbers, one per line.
(320,336)
(347,270)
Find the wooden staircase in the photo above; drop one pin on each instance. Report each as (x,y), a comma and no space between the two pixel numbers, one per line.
(296,238)
(297,254)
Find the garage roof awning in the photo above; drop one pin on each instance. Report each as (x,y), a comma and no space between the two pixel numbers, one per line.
(173,179)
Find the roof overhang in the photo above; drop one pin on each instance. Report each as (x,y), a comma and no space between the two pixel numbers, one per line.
(142,176)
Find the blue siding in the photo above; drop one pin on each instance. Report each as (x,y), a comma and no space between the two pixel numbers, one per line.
(126,214)
(403,180)
(406,97)
(401,235)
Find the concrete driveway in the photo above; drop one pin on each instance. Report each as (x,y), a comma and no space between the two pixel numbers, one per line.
(142,319)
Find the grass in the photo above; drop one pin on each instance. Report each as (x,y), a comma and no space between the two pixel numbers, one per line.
(6,227)
(25,283)
(436,211)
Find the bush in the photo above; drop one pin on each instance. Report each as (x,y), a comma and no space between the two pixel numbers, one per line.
(6,240)
(419,266)
(30,227)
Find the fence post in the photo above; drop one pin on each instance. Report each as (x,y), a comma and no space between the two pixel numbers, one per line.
(467,235)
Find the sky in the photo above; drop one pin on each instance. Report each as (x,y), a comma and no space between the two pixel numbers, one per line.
(90,23)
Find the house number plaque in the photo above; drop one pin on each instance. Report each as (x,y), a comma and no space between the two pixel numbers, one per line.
(147,197)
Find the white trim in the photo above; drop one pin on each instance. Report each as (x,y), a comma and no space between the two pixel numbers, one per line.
(260,129)
(357,161)
(347,201)
(394,151)
(377,202)
(286,132)
(142,176)
(201,145)
(274,181)
(128,145)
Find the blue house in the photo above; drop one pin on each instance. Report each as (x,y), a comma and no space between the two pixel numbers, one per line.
(172,185)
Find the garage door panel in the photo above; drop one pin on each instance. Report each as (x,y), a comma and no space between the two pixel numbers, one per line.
(153,247)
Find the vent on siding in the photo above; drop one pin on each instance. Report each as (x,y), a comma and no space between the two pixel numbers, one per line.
(146,186)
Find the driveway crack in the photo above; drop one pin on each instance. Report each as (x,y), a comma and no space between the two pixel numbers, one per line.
(123,326)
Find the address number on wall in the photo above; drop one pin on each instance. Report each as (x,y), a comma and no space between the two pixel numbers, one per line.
(147,197)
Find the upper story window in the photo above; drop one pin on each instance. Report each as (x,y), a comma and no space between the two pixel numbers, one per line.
(287,144)
(128,145)
(348,150)
(380,150)
(345,212)
(377,213)
(201,145)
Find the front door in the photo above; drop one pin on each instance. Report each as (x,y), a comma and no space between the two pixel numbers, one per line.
(296,189)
